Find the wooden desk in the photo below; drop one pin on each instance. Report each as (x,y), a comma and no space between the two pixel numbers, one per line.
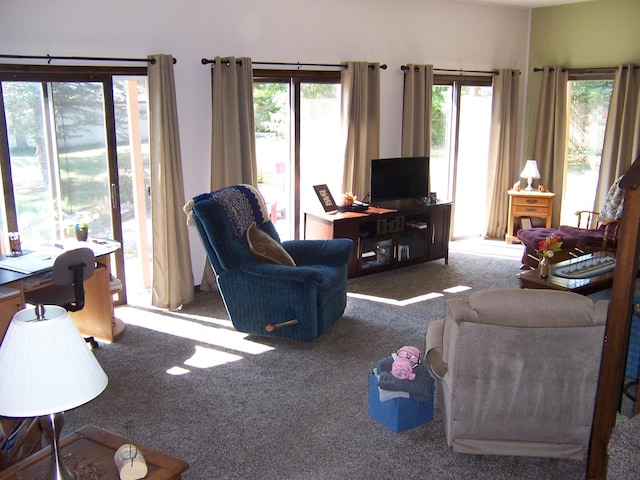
(90,450)
(527,204)
(96,319)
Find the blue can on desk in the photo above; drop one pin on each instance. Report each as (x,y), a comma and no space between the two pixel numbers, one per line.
(398,414)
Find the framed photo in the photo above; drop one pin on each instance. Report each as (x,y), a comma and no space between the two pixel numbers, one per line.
(325,197)
(525,222)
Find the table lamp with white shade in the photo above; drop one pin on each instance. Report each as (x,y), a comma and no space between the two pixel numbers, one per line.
(46,368)
(530,171)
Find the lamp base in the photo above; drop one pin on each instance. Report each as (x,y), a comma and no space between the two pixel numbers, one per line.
(529,187)
(52,426)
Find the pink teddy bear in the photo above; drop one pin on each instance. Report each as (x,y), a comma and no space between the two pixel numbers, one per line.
(407,358)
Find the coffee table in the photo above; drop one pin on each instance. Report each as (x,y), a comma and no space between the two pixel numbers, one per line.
(89,452)
(583,286)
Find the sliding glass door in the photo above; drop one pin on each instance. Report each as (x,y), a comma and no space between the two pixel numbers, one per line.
(297,118)
(58,152)
(75,151)
(588,106)
(460,149)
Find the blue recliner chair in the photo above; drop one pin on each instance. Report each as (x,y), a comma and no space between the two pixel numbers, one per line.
(295,289)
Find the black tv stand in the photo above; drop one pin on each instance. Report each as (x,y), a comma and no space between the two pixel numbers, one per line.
(387,238)
(404,204)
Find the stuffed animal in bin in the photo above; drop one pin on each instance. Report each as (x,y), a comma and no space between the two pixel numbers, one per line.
(407,358)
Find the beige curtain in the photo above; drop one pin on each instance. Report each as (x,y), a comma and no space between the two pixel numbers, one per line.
(416,111)
(622,134)
(549,147)
(361,122)
(172,275)
(502,150)
(233,144)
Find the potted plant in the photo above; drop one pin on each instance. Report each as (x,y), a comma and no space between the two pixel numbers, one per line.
(82,231)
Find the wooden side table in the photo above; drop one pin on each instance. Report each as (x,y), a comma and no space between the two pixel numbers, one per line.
(528,204)
(89,453)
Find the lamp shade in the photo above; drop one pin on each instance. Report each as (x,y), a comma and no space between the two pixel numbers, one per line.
(46,366)
(530,170)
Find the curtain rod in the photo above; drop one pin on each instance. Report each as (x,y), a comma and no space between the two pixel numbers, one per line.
(207,61)
(405,68)
(585,70)
(50,58)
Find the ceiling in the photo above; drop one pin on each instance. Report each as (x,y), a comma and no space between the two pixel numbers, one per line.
(527,3)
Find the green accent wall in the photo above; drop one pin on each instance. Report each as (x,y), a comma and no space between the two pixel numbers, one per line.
(602,33)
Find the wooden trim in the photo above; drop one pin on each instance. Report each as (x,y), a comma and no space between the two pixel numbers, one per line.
(618,328)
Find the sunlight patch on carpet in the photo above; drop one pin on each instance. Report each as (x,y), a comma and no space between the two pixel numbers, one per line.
(208,357)
(175,371)
(216,332)
(392,301)
(458,289)
(175,324)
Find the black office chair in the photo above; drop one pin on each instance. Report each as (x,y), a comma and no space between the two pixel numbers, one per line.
(70,270)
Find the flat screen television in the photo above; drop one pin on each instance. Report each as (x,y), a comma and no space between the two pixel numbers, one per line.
(399,179)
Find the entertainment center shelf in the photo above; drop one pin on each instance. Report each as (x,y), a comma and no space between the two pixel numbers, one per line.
(384,238)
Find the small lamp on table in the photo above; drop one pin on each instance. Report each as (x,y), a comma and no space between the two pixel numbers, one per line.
(530,171)
(45,369)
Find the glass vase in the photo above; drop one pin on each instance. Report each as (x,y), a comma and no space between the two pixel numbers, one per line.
(543,267)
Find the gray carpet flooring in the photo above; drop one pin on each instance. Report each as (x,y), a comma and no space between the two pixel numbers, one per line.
(249,407)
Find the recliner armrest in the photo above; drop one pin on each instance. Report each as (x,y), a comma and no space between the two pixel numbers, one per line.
(280,273)
(328,252)
(435,337)
(435,332)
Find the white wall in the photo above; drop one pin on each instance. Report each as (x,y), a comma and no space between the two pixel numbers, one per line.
(445,33)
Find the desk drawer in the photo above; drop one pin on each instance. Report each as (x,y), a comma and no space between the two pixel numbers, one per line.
(527,210)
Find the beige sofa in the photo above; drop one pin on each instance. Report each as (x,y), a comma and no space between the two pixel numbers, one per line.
(516,371)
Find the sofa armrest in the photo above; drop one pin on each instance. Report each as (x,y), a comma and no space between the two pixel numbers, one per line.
(435,337)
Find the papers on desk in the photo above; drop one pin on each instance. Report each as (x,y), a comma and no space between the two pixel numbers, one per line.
(42,259)
(99,246)
(32,262)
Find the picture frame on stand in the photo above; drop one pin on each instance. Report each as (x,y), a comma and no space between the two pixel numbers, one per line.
(325,197)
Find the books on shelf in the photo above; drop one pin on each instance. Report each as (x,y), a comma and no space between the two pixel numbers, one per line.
(415,225)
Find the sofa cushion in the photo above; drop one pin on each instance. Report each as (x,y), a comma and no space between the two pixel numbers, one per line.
(265,248)
(531,237)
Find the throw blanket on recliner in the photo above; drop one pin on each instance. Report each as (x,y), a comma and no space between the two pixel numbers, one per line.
(241,202)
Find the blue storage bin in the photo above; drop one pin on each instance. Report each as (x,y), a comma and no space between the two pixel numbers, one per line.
(398,414)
